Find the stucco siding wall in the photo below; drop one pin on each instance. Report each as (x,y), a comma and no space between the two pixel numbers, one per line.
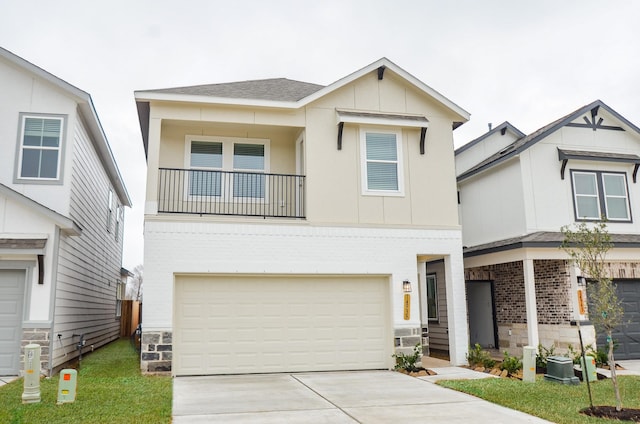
(89,264)
(492,205)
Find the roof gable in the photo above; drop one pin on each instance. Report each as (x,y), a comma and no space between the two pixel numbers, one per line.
(523,143)
(65,223)
(297,94)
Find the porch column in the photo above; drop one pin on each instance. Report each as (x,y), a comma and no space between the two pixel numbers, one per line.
(153,163)
(456,308)
(530,302)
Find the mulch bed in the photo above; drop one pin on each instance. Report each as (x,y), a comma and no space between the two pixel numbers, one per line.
(610,412)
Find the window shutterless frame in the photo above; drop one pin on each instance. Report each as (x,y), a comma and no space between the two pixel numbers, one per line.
(239,162)
(599,194)
(381,162)
(40,148)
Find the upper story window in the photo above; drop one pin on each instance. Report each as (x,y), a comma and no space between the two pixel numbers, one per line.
(382,164)
(119,212)
(227,167)
(41,139)
(600,194)
(109,210)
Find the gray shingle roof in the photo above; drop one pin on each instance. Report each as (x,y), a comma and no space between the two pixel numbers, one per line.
(542,239)
(525,142)
(277,89)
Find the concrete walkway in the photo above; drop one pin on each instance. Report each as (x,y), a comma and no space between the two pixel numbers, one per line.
(7,379)
(331,397)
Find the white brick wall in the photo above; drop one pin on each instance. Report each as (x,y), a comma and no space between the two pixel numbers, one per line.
(182,246)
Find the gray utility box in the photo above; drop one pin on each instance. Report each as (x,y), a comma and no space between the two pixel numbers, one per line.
(560,370)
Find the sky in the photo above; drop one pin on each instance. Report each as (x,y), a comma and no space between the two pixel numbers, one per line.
(526,62)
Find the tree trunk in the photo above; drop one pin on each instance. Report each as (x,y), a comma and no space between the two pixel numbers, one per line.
(612,367)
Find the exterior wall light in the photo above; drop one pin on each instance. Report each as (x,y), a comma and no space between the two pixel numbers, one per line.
(406,286)
(582,282)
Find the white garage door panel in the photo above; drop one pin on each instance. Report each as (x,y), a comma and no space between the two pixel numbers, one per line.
(229,325)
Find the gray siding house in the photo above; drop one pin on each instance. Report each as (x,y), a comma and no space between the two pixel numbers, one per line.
(62,205)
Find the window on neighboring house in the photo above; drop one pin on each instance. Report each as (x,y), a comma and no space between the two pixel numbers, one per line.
(600,194)
(382,165)
(118,218)
(432,297)
(120,295)
(212,158)
(40,148)
(109,210)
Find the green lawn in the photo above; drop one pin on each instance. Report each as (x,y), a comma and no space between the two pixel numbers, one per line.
(555,402)
(110,390)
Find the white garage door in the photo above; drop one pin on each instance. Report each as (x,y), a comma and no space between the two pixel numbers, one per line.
(235,325)
(11,299)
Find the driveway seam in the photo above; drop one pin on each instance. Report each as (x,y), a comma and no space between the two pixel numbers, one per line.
(318,393)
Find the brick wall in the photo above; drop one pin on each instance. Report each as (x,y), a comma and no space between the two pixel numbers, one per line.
(553,292)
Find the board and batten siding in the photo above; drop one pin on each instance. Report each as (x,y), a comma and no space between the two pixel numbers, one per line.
(89,264)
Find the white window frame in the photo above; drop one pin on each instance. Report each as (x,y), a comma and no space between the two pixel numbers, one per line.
(363,162)
(109,210)
(21,147)
(121,289)
(601,195)
(227,164)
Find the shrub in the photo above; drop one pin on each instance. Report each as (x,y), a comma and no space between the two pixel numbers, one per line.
(511,363)
(479,357)
(543,354)
(408,362)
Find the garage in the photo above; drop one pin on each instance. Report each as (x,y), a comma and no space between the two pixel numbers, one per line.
(627,340)
(11,301)
(263,324)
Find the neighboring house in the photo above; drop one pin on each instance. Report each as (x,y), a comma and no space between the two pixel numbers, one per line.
(283,218)
(61,219)
(516,192)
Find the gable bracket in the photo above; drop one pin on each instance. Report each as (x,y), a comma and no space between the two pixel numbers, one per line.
(423,134)
(593,124)
(635,171)
(340,127)
(564,165)
(381,72)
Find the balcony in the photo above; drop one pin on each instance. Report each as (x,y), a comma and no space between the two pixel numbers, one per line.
(204,192)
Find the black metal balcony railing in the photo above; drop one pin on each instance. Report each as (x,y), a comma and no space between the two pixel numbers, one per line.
(202,192)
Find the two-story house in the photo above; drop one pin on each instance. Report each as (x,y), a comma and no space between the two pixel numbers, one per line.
(291,226)
(516,193)
(61,220)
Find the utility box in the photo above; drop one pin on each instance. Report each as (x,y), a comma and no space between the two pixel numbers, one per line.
(31,392)
(529,364)
(560,370)
(590,370)
(67,386)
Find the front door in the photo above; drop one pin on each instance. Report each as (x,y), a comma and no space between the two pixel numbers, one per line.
(481,317)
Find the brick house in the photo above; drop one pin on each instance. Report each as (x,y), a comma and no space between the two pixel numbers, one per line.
(516,192)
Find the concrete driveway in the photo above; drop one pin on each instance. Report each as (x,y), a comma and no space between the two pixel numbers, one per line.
(330,397)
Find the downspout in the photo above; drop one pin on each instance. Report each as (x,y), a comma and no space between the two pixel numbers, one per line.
(52,302)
